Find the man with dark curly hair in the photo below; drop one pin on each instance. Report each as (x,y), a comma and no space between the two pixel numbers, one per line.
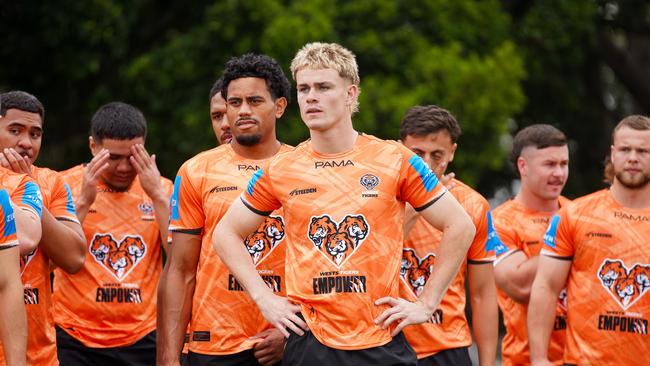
(226,328)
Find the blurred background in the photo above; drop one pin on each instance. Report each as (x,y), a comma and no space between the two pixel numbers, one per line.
(499,66)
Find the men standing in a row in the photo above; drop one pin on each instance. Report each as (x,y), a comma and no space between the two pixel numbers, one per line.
(106,313)
(343,197)
(432,133)
(599,246)
(226,328)
(541,158)
(62,242)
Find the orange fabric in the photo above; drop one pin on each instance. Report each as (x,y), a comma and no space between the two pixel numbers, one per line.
(111,301)
(344,215)
(8,225)
(223,316)
(35,274)
(521,229)
(449,328)
(609,280)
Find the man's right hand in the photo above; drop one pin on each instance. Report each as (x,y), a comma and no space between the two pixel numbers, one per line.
(282,314)
(92,172)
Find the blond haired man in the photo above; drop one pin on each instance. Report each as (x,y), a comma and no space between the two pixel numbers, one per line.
(343,195)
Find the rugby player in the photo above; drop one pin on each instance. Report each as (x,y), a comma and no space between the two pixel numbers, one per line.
(226,328)
(541,158)
(343,197)
(599,247)
(106,313)
(218,114)
(432,133)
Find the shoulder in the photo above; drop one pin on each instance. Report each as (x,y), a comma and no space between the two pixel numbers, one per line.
(468,197)
(72,173)
(206,158)
(587,203)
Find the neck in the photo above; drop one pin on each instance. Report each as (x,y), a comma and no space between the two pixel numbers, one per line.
(630,198)
(533,202)
(260,151)
(337,139)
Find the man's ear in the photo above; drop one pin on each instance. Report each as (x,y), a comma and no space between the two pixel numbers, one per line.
(94,146)
(280,106)
(522,166)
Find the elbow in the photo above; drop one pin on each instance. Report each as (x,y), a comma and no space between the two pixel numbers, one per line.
(27,245)
(520,295)
(74,264)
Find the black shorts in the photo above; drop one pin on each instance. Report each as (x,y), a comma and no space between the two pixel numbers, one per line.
(308,351)
(448,357)
(71,352)
(244,358)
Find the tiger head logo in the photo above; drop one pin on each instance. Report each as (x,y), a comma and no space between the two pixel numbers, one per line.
(320,228)
(625,285)
(118,257)
(355,226)
(262,242)
(338,240)
(338,245)
(120,262)
(415,271)
(25,259)
(101,245)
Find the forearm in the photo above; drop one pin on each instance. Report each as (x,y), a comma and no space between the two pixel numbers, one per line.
(28,229)
(161,212)
(238,261)
(541,316)
(82,206)
(485,324)
(64,243)
(13,321)
(175,293)
(452,251)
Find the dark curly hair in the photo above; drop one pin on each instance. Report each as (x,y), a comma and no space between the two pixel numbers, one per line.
(216,88)
(22,101)
(257,66)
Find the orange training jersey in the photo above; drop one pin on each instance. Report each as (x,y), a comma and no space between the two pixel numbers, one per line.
(448,328)
(41,343)
(522,229)
(111,301)
(8,237)
(344,215)
(25,193)
(608,300)
(224,318)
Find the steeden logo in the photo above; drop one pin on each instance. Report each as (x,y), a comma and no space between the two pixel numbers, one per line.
(298,192)
(219,189)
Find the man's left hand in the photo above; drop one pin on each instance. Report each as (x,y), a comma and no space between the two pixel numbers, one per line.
(270,350)
(12,160)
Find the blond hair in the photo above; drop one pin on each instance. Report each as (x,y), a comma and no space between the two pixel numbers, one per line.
(318,55)
(635,122)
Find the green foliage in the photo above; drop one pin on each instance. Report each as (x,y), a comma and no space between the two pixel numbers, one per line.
(164,58)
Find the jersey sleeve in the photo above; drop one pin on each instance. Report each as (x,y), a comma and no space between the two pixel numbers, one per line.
(62,202)
(480,251)
(418,185)
(558,240)
(259,196)
(187,215)
(28,195)
(503,239)
(8,227)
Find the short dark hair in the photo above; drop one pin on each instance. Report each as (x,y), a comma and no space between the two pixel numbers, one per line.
(23,101)
(216,88)
(540,136)
(118,121)
(423,120)
(257,66)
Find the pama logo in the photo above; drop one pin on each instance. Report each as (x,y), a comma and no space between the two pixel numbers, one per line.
(625,285)
(267,237)
(338,240)
(118,258)
(415,271)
